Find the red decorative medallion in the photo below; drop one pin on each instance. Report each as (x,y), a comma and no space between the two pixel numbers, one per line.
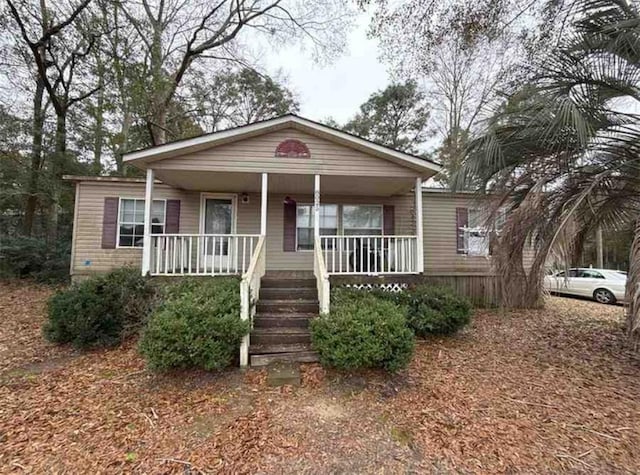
(292,148)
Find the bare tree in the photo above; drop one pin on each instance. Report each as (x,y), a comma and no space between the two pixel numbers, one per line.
(173,34)
(465,52)
(59,47)
(461,84)
(233,98)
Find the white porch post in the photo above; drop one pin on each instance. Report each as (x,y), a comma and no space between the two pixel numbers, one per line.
(316,207)
(263,205)
(146,242)
(419,228)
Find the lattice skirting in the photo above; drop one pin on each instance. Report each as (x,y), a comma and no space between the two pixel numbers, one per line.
(482,289)
(394,287)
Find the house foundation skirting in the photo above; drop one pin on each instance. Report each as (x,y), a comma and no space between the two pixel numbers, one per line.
(482,289)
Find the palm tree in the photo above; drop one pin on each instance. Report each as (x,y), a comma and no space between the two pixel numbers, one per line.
(565,150)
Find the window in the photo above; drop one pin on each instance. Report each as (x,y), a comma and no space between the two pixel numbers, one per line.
(572,273)
(362,220)
(477,235)
(590,274)
(304,224)
(131,221)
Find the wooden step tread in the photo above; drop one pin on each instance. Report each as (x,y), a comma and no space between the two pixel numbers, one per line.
(280,283)
(286,301)
(300,315)
(280,348)
(288,293)
(282,320)
(297,357)
(287,306)
(281,330)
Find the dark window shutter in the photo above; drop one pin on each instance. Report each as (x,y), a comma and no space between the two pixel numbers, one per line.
(388,220)
(462,220)
(289,228)
(110,223)
(172,218)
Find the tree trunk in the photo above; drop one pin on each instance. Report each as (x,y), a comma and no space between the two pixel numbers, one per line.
(98,135)
(633,291)
(158,126)
(57,170)
(123,146)
(599,248)
(36,159)
(160,97)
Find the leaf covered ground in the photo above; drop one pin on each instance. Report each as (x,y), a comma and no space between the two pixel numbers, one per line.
(553,390)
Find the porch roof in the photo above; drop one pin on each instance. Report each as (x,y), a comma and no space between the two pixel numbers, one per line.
(142,158)
(234,182)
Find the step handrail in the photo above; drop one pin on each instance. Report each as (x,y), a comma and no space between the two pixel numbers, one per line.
(322,277)
(249,291)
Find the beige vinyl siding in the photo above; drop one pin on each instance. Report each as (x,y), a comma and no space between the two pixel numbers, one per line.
(88,256)
(440,245)
(256,155)
(439,223)
(439,219)
(90,203)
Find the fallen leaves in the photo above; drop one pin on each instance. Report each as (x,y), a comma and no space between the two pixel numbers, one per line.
(531,391)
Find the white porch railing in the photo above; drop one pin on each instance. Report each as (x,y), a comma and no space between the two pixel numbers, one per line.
(322,277)
(201,254)
(366,255)
(249,291)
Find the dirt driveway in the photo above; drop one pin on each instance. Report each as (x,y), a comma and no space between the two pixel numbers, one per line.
(540,391)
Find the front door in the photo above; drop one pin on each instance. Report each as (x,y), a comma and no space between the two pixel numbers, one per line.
(218,223)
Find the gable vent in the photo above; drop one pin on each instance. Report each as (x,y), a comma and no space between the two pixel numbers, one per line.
(292,148)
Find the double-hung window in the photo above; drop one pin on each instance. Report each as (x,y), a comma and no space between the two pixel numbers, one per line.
(304,224)
(131,221)
(362,220)
(477,235)
(349,220)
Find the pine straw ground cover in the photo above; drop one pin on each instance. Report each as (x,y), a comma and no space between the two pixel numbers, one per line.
(539,391)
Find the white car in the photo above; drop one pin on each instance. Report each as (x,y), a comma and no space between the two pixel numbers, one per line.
(602,285)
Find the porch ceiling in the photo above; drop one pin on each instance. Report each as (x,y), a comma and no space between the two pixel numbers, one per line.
(280,183)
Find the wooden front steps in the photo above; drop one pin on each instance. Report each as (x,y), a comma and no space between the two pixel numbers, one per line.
(280,332)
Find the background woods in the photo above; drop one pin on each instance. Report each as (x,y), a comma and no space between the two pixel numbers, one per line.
(85,81)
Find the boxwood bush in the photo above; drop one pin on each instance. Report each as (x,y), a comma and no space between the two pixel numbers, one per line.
(100,311)
(434,310)
(197,326)
(362,331)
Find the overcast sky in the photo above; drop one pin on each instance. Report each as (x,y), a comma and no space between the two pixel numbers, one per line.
(335,90)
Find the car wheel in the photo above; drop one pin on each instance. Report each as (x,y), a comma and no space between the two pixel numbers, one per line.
(604,296)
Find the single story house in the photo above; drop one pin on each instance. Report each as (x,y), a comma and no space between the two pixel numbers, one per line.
(289,204)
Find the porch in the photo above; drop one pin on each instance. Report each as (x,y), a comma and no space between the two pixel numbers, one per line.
(351,233)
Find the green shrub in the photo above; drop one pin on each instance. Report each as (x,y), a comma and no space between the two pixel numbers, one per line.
(362,331)
(198,325)
(435,310)
(100,311)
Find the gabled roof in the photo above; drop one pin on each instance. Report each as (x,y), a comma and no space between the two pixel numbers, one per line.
(148,155)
